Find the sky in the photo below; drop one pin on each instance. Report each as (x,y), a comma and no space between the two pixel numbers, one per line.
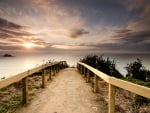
(111,26)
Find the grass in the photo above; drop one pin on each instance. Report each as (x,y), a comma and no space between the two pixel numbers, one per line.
(7,106)
(137,81)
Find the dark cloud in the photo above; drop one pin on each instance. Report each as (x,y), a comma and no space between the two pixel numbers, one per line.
(75,33)
(128,36)
(13,36)
(128,41)
(10,30)
(8,25)
(15,33)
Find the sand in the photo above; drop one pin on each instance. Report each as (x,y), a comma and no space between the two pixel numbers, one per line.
(68,92)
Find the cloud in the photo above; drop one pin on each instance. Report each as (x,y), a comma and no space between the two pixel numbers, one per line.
(10,29)
(132,36)
(127,40)
(75,33)
(135,5)
(14,36)
(9,25)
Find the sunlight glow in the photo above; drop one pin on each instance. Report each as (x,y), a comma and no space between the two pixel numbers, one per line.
(69,47)
(29,45)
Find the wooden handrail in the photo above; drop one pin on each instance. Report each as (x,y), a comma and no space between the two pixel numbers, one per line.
(135,88)
(55,67)
(115,82)
(15,78)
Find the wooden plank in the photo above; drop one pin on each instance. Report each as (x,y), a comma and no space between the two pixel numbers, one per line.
(54,70)
(95,83)
(100,74)
(111,104)
(18,77)
(50,73)
(24,90)
(88,76)
(84,71)
(137,89)
(43,78)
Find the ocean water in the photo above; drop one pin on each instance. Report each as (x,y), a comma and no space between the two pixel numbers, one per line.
(10,66)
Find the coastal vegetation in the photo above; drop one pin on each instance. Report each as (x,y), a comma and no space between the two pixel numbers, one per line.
(105,65)
(136,73)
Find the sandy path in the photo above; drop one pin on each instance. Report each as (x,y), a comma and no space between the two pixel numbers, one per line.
(67,93)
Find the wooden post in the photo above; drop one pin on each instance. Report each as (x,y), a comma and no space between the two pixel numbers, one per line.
(24,90)
(50,73)
(88,76)
(79,68)
(54,70)
(84,72)
(95,83)
(43,78)
(111,99)
(58,67)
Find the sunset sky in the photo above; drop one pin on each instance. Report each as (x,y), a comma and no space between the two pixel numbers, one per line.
(117,26)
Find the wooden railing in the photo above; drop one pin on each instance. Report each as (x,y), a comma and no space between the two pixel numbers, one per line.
(113,82)
(51,67)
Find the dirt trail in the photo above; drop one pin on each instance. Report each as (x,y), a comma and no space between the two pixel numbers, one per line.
(67,93)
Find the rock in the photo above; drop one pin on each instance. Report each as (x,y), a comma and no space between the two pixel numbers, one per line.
(3,77)
(8,55)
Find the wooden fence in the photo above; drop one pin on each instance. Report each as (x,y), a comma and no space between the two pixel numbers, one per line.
(51,67)
(113,82)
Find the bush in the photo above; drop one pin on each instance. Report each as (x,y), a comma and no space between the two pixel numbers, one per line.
(137,70)
(137,81)
(105,65)
(140,100)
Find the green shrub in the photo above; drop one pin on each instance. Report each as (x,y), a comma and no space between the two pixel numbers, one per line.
(137,70)
(137,81)
(105,65)
(139,100)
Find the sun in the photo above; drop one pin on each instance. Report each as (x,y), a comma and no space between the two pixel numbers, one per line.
(29,45)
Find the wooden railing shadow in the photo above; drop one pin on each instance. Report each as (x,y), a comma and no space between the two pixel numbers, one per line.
(113,83)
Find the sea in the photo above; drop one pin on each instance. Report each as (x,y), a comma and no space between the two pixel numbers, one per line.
(10,66)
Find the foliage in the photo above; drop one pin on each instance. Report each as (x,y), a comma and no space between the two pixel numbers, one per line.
(137,70)
(10,105)
(140,100)
(137,73)
(137,81)
(105,65)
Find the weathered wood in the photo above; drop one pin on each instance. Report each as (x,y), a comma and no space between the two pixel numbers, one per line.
(95,83)
(111,105)
(56,67)
(100,74)
(54,70)
(18,77)
(82,69)
(137,89)
(24,90)
(43,78)
(88,76)
(50,73)
(84,72)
